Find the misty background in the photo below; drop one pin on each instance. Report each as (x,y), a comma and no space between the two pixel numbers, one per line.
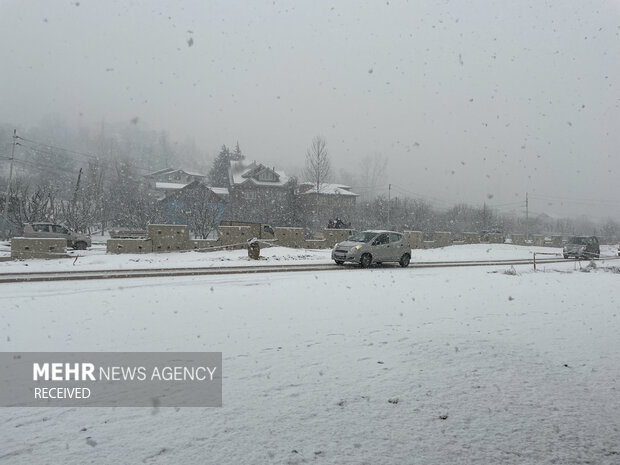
(462,102)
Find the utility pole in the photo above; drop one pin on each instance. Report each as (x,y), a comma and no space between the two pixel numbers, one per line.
(8,187)
(527,217)
(389,195)
(77,186)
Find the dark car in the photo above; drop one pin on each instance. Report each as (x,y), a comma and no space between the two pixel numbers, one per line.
(582,247)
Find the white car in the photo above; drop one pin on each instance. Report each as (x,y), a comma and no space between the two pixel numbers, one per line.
(373,247)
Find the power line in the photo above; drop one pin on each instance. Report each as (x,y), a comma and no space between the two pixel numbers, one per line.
(568,199)
(96,158)
(57,148)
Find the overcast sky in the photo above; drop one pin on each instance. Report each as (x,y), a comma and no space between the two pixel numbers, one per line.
(476,101)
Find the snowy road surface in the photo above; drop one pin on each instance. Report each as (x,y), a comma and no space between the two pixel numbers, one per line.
(381,366)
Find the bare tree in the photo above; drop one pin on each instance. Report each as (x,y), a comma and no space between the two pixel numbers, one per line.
(318,166)
(25,207)
(372,174)
(317,170)
(202,210)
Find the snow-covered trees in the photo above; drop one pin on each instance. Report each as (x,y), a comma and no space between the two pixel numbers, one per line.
(218,174)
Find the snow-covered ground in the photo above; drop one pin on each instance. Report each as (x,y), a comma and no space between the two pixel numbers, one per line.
(378,366)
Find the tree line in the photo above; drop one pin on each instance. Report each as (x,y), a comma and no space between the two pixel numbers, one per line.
(91,193)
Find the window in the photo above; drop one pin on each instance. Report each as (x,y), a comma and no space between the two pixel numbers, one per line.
(395,237)
(59,229)
(382,239)
(41,227)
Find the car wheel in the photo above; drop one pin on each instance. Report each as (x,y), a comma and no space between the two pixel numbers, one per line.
(565,256)
(366,260)
(81,245)
(339,262)
(404,260)
(596,255)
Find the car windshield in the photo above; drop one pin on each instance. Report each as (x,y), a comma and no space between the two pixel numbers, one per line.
(578,241)
(362,237)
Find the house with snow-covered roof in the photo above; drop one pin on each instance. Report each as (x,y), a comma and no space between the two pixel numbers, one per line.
(329,201)
(168,180)
(172,176)
(194,200)
(259,193)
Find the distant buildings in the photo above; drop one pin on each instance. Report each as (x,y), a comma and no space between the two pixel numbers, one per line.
(256,193)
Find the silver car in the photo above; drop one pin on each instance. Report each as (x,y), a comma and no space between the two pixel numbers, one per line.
(373,247)
(75,240)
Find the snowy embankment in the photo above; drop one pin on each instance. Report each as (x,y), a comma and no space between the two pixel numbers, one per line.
(97,259)
(379,366)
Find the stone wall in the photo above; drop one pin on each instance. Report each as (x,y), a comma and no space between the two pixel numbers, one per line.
(165,237)
(168,237)
(496,238)
(415,239)
(333,236)
(228,235)
(442,239)
(556,241)
(129,246)
(471,238)
(290,237)
(29,247)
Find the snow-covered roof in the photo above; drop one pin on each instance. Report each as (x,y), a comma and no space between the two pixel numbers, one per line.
(219,190)
(170,185)
(241,173)
(192,173)
(327,189)
(159,172)
(173,192)
(174,170)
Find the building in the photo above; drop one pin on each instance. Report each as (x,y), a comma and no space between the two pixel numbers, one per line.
(260,194)
(168,180)
(199,206)
(331,201)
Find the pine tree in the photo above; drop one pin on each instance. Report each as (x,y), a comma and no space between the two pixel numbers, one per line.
(237,155)
(218,175)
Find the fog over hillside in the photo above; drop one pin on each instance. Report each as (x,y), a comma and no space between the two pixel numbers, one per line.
(476,102)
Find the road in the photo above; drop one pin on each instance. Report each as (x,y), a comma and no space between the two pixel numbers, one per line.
(222,270)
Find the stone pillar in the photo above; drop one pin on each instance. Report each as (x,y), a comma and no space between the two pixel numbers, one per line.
(471,238)
(442,239)
(415,239)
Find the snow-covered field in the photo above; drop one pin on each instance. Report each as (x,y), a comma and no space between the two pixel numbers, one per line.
(378,366)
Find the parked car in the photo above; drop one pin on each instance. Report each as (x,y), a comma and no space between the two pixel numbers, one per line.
(582,247)
(373,247)
(56,231)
